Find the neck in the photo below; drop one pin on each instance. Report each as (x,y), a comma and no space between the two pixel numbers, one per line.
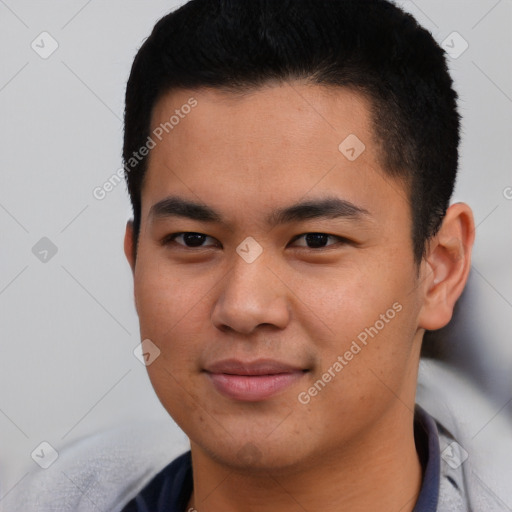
(379,471)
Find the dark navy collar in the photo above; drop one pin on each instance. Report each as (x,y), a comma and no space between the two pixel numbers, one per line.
(170,490)
(426,437)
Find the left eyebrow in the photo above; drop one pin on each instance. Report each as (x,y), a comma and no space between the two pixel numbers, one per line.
(328,208)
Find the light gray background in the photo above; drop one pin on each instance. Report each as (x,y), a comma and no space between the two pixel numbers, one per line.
(68,326)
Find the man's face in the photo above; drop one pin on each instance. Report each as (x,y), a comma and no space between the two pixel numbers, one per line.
(247,326)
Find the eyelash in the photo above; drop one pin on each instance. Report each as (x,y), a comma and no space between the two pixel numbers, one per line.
(168,239)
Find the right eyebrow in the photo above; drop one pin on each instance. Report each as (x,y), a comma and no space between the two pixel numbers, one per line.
(174,206)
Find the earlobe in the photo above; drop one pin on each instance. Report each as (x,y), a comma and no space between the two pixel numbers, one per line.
(128,245)
(446,267)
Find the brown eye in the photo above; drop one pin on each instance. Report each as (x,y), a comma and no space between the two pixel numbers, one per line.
(189,239)
(317,240)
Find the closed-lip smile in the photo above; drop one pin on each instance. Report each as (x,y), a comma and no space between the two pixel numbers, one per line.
(252,381)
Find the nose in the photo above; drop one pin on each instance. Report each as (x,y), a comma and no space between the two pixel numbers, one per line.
(251,296)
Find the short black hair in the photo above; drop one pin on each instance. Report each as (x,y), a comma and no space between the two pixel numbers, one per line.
(370,46)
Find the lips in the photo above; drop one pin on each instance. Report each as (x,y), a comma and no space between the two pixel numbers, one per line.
(252,381)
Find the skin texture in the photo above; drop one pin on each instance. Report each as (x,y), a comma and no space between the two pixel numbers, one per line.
(351,447)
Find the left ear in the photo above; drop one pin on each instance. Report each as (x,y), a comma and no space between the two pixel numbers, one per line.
(446,266)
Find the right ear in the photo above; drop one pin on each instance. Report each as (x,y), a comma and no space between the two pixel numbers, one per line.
(129,249)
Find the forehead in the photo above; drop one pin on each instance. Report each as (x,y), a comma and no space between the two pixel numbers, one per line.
(288,139)
(310,113)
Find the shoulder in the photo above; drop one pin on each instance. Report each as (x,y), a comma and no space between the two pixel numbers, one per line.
(103,471)
(475,441)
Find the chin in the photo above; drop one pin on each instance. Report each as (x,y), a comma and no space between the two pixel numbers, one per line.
(256,454)
(251,459)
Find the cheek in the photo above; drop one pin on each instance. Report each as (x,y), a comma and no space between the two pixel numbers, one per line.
(365,316)
(172,312)
(346,300)
(172,315)
(163,295)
